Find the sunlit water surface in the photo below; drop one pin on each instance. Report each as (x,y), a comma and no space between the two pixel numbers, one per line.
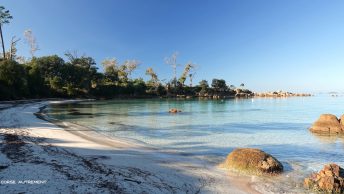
(210,129)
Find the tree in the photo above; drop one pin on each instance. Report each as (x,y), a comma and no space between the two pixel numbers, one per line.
(186,71)
(46,75)
(219,85)
(139,86)
(110,70)
(79,74)
(154,81)
(191,76)
(242,85)
(50,66)
(124,71)
(204,86)
(172,61)
(154,85)
(130,66)
(13,80)
(123,75)
(114,73)
(5,18)
(31,41)
(13,49)
(37,84)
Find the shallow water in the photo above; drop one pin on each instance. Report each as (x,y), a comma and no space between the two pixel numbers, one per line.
(210,129)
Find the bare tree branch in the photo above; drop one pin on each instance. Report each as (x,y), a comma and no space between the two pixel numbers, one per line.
(31,41)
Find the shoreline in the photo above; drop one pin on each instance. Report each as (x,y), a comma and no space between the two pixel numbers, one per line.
(176,97)
(88,133)
(119,166)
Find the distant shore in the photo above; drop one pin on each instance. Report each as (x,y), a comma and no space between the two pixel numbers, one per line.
(281,94)
(9,103)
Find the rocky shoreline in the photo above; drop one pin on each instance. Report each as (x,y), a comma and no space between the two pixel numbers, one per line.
(329,180)
(239,93)
(281,94)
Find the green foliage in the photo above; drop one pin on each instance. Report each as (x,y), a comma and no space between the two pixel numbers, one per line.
(161,90)
(13,80)
(36,82)
(45,75)
(173,87)
(5,18)
(242,85)
(154,87)
(139,87)
(154,81)
(51,76)
(204,86)
(122,75)
(110,71)
(78,75)
(111,76)
(186,71)
(232,87)
(118,74)
(5,15)
(219,85)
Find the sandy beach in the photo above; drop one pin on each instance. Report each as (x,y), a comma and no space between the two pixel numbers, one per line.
(150,97)
(38,156)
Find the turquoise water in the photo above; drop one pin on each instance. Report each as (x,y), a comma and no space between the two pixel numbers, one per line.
(210,129)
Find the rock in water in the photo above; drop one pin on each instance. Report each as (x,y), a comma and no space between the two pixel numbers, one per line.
(328,180)
(174,110)
(327,123)
(342,122)
(253,161)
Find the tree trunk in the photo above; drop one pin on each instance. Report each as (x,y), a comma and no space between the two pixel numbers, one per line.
(190,80)
(2,41)
(11,49)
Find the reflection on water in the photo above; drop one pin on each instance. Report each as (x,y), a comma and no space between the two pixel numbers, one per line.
(210,129)
(329,138)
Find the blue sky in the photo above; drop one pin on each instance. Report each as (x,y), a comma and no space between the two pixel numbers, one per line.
(293,45)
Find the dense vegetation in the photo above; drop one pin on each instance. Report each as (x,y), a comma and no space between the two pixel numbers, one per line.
(78,76)
(52,76)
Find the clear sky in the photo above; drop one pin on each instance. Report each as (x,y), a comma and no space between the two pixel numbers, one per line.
(293,45)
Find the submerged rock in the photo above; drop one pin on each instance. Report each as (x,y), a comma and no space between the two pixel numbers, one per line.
(327,123)
(174,110)
(80,113)
(253,161)
(328,180)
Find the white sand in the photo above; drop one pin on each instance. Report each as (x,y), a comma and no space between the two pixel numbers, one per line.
(74,159)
